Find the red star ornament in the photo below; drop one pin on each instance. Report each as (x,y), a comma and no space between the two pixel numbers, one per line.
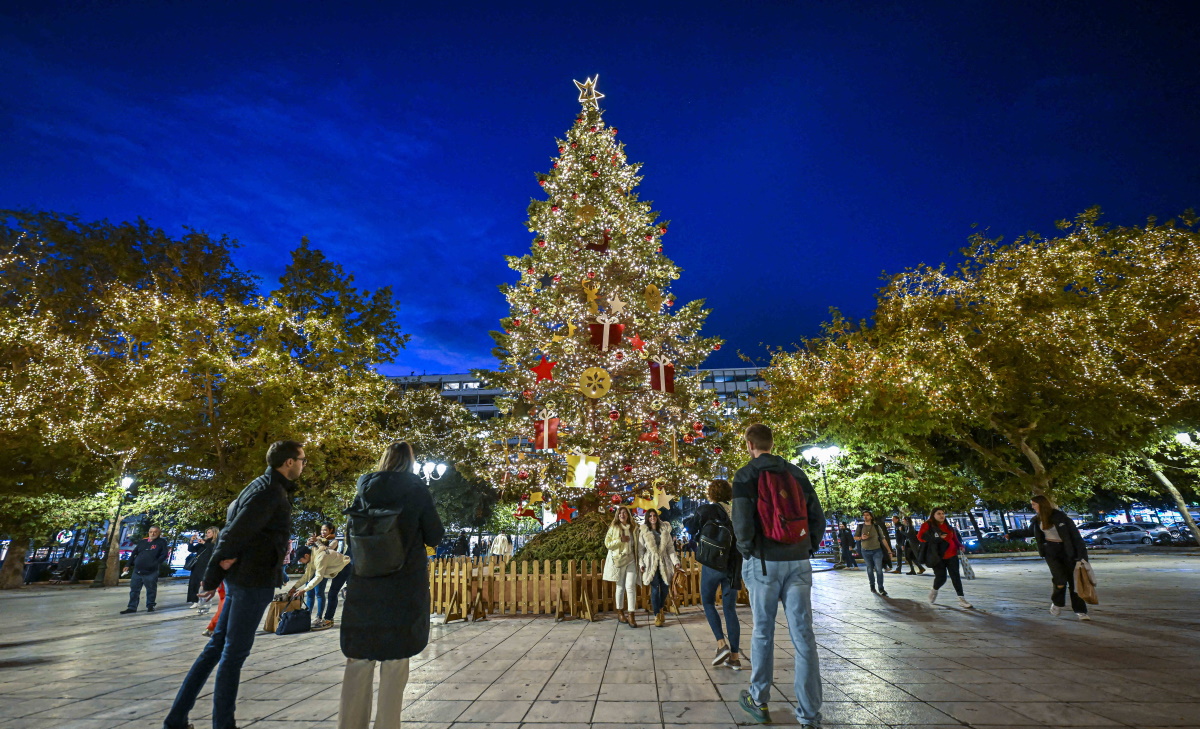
(544,369)
(637,343)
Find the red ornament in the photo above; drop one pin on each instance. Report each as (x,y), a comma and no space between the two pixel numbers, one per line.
(544,369)
(554,208)
(591,274)
(614,131)
(689,438)
(637,343)
(535,311)
(670,302)
(716,348)
(616,498)
(523,475)
(554,165)
(557,279)
(614,415)
(628,468)
(593,129)
(530,271)
(649,237)
(660,249)
(655,452)
(718,450)
(595,174)
(698,426)
(574,144)
(524,497)
(619,356)
(562,149)
(516,322)
(527,394)
(541,244)
(542,183)
(592,158)
(716,403)
(662,230)
(574,196)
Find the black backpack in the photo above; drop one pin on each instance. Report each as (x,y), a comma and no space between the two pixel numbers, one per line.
(375,541)
(715,542)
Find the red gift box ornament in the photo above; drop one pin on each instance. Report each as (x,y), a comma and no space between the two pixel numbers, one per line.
(606,332)
(662,375)
(545,434)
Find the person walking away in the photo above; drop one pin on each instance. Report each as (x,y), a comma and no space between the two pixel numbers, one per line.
(778,522)
(946,543)
(846,541)
(247,558)
(873,541)
(910,547)
(1061,545)
(719,512)
(621,563)
(338,582)
(501,546)
(202,548)
(659,562)
(148,555)
(898,534)
(385,620)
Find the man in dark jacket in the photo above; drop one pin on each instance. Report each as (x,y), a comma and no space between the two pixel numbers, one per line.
(773,572)
(148,555)
(248,557)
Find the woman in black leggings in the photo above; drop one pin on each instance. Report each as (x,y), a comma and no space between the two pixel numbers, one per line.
(947,544)
(1061,545)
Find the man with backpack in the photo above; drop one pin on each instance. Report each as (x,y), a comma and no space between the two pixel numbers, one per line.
(721,566)
(778,523)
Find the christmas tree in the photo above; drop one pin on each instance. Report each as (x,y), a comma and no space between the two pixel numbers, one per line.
(598,357)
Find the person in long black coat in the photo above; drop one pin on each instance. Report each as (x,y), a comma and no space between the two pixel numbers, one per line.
(203,551)
(386,619)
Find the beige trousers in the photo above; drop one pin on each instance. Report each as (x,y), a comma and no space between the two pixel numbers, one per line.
(357,683)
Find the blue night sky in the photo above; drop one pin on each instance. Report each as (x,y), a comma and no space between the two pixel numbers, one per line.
(799,149)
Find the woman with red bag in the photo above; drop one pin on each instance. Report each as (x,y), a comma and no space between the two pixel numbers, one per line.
(945,544)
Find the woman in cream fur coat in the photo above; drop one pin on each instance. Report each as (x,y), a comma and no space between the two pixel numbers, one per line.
(658,562)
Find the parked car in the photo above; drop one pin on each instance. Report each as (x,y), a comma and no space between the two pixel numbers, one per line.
(1119,534)
(1157,531)
(1088,527)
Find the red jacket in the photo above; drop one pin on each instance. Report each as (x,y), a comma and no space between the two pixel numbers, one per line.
(950,534)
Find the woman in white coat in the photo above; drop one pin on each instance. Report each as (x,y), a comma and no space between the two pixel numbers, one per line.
(658,563)
(621,565)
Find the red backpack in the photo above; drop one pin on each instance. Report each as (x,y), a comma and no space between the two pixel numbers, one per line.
(782,507)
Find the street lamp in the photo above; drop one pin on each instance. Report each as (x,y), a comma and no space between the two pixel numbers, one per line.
(427,470)
(114,532)
(823,457)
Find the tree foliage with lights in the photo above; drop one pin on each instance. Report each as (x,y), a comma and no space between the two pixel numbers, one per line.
(1046,362)
(596,351)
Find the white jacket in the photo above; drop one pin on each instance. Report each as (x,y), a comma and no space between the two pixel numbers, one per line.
(657,557)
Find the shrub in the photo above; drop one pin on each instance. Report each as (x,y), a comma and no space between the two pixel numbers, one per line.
(996,546)
(581,539)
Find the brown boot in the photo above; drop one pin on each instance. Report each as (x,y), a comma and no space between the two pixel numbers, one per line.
(631,620)
(660,620)
(620,615)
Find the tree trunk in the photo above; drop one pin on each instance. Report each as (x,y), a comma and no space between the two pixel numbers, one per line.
(1179,502)
(1128,516)
(112,556)
(974,523)
(12,574)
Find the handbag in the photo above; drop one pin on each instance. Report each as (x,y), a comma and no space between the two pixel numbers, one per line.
(190,562)
(280,605)
(968,572)
(294,621)
(1085,583)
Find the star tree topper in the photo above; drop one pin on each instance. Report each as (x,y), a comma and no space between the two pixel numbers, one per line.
(588,95)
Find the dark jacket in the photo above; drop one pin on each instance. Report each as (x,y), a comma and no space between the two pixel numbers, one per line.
(750,539)
(717,513)
(203,552)
(1072,540)
(258,527)
(387,618)
(148,555)
(845,538)
(901,537)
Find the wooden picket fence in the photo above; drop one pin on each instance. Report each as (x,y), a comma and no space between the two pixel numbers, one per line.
(473,587)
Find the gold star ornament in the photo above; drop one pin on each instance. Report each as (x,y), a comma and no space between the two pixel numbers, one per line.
(588,95)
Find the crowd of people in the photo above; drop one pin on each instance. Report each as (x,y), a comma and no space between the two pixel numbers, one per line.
(758,532)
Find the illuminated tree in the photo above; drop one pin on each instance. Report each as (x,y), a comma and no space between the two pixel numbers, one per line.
(595,351)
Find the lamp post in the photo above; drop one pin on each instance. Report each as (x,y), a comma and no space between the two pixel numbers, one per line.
(428,469)
(824,456)
(114,533)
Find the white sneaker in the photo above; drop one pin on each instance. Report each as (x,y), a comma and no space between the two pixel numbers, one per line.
(193,605)
(932,596)
(1055,610)
(962,601)
(1083,616)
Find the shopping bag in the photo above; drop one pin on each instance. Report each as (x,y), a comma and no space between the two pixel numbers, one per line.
(1085,583)
(968,572)
(278,607)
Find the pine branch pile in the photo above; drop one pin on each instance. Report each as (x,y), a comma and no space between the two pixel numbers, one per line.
(581,539)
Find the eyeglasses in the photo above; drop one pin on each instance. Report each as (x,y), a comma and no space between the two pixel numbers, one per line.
(303,461)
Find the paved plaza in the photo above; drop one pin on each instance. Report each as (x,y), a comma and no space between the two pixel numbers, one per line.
(69,661)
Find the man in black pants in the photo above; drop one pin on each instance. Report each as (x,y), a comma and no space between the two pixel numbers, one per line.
(249,559)
(147,557)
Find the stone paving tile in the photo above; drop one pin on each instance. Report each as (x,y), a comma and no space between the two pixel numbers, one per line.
(898,662)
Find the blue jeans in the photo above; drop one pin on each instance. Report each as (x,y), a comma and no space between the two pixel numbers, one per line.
(317,594)
(874,560)
(848,556)
(226,651)
(136,583)
(790,583)
(658,594)
(710,579)
(335,587)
